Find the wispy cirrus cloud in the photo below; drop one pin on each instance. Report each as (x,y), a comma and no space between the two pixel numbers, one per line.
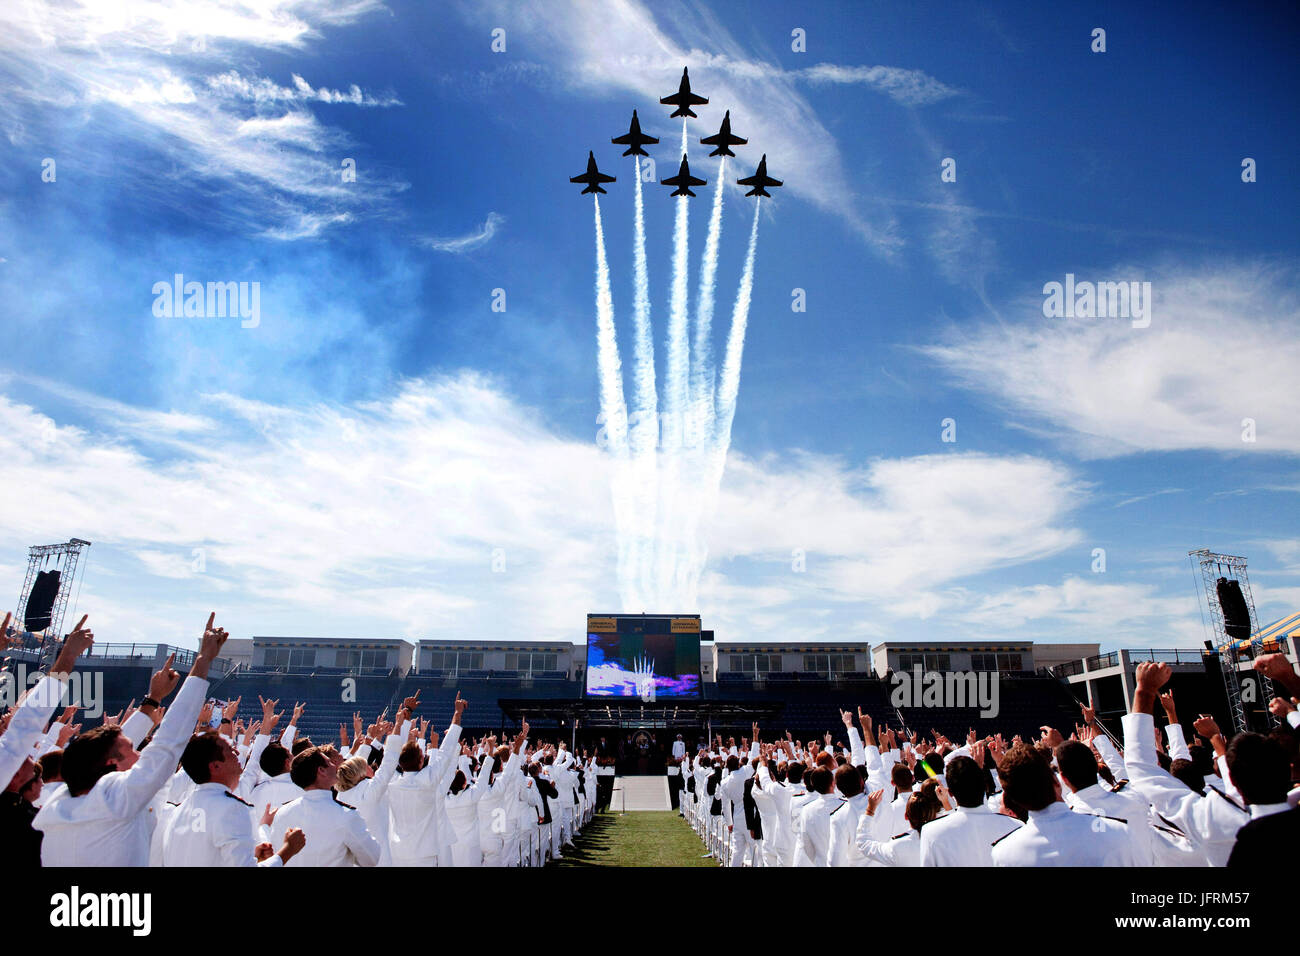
(1221,349)
(460,244)
(101,79)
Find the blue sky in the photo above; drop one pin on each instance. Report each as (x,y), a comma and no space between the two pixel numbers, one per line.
(363,459)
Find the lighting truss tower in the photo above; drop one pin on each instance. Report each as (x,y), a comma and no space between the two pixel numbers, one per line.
(51,557)
(1211,567)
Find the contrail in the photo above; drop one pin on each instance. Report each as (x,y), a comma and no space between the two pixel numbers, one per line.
(612,405)
(729,382)
(613,409)
(645,402)
(678,364)
(644,426)
(700,420)
(728,389)
(676,382)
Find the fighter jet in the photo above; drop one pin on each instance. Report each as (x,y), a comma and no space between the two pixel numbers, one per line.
(723,140)
(593,177)
(683,99)
(634,139)
(683,180)
(759,180)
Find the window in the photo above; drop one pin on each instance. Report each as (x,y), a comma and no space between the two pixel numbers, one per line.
(755,664)
(927,662)
(532,663)
(1009,662)
(290,657)
(365,660)
(983,662)
(456,660)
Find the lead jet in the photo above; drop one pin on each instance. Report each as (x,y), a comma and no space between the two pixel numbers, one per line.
(683,99)
(634,139)
(593,177)
(760,180)
(683,180)
(723,140)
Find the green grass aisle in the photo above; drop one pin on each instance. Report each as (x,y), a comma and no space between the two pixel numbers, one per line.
(637,839)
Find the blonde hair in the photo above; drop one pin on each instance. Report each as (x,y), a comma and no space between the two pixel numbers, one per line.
(351,772)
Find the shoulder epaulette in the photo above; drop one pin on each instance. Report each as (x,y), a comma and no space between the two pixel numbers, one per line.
(899,836)
(1105,817)
(1230,800)
(173,803)
(837,809)
(1170,825)
(233,796)
(1003,837)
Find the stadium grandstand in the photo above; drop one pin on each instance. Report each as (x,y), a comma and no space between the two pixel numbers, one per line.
(792,687)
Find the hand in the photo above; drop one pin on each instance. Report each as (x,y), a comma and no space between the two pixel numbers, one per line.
(1280,707)
(231,709)
(79,641)
(1152,675)
(1206,726)
(268,815)
(164,681)
(1167,702)
(294,840)
(977,753)
(1089,714)
(210,645)
(847,717)
(298,708)
(262,852)
(873,801)
(1277,668)
(4,631)
(268,707)
(412,702)
(1051,736)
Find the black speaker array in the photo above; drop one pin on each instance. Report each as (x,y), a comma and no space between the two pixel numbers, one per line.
(41,600)
(1236,616)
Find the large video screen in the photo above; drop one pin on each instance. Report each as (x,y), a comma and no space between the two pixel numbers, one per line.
(638,660)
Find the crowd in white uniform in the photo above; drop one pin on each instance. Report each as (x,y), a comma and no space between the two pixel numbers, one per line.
(891,799)
(164,788)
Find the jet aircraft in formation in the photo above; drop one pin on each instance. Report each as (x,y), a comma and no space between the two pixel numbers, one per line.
(722,141)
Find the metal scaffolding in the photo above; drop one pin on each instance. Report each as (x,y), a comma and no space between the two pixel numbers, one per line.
(1213,566)
(51,557)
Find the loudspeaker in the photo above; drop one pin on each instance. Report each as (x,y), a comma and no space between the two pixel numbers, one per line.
(41,600)
(1236,616)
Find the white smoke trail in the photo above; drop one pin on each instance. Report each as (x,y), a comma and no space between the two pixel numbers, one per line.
(728,390)
(644,421)
(729,382)
(613,409)
(645,402)
(676,384)
(699,413)
(700,423)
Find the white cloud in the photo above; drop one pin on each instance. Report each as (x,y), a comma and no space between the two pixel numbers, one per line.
(1223,346)
(385,517)
(473,240)
(264,91)
(909,87)
(139,72)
